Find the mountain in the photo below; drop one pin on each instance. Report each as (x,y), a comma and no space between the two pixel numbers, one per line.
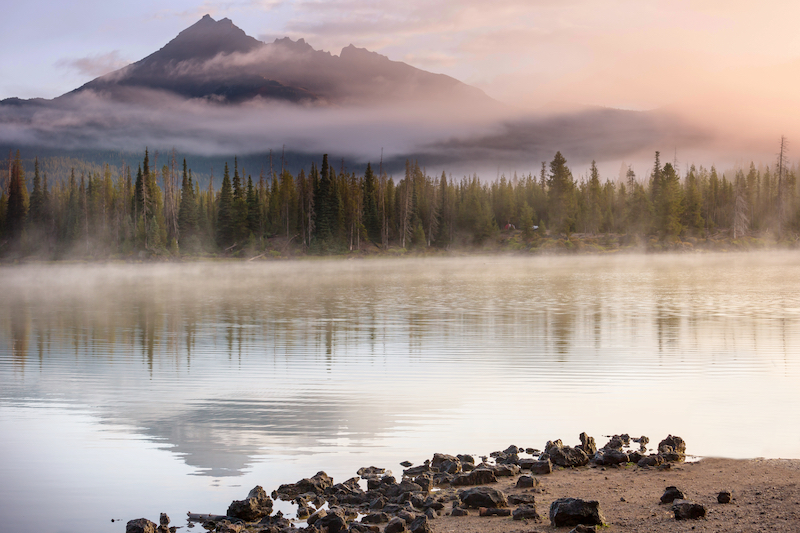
(217,61)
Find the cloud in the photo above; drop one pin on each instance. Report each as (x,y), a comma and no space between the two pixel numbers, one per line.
(95,65)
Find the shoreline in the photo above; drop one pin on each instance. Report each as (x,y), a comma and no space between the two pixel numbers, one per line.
(630,489)
(507,244)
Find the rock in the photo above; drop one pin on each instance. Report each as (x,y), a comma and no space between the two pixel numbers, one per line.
(531,451)
(567,456)
(140,525)
(257,505)
(459,511)
(526,512)
(483,497)
(395,525)
(724,496)
(541,468)
(316,484)
(512,449)
(635,456)
(164,519)
(446,463)
(587,444)
(303,512)
(673,449)
(479,476)
(671,494)
(574,511)
(526,482)
(688,510)
(610,457)
(375,518)
(320,514)
(507,459)
(430,514)
(420,525)
(493,511)
(332,523)
(378,503)
(465,459)
(370,471)
(406,464)
(614,443)
(642,443)
(522,499)
(355,527)
(505,470)
(417,470)
(650,460)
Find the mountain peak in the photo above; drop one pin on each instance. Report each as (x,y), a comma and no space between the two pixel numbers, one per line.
(207,38)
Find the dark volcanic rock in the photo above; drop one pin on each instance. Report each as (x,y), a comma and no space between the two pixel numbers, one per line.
(580,528)
(587,444)
(522,499)
(465,459)
(483,497)
(671,494)
(420,525)
(140,525)
(527,482)
(493,511)
(574,511)
(257,505)
(688,510)
(566,456)
(316,484)
(395,525)
(526,512)
(479,476)
(375,518)
(612,456)
(446,463)
(370,471)
(673,449)
(650,460)
(541,467)
(332,523)
(459,511)
(724,496)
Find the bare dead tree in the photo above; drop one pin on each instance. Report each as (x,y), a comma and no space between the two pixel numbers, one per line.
(740,220)
(780,208)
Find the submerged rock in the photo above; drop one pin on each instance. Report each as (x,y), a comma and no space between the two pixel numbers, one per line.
(574,511)
(140,525)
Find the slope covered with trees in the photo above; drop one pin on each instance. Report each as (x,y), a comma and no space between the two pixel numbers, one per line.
(147,211)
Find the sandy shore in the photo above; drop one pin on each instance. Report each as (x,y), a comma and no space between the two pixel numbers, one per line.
(766,497)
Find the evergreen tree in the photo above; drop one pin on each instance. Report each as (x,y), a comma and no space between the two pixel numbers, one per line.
(225,213)
(187,211)
(17,209)
(253,208)
(38,202)
(371,218)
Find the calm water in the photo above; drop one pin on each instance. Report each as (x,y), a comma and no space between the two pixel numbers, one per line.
(128,390)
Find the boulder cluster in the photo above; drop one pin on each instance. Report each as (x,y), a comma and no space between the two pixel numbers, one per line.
(444,484)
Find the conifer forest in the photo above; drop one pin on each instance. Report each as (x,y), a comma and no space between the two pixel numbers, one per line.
(145,211)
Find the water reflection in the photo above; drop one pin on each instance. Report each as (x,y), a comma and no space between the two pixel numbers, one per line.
(222,364)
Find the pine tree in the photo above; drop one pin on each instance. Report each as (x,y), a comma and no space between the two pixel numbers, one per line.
(371,218)
(225,213)
(17,210)
(187,211)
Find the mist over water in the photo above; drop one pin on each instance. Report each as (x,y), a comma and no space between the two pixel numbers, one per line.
(130,390)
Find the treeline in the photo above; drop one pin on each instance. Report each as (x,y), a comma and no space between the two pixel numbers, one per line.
(164,211)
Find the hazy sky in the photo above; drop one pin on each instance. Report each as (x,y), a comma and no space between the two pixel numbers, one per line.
(634,54)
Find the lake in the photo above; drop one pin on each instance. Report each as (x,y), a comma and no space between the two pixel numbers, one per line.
(133,389)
